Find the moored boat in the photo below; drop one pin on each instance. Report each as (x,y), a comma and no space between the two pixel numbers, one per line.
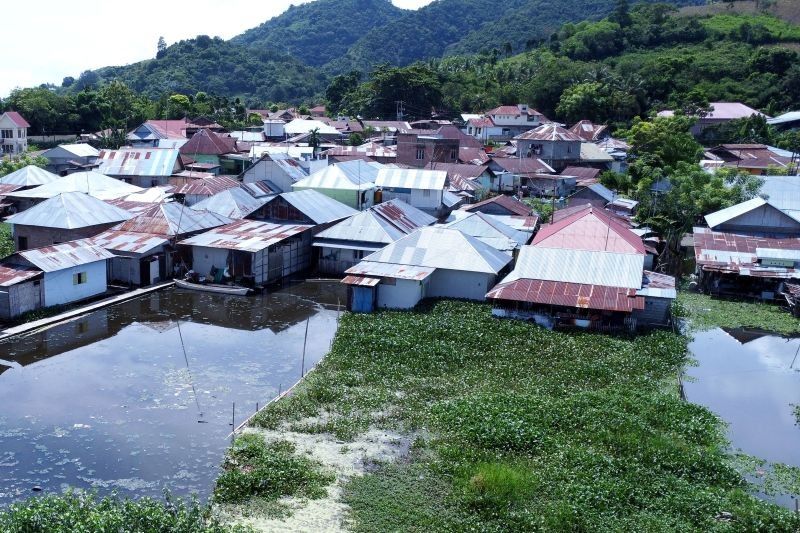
(213,287)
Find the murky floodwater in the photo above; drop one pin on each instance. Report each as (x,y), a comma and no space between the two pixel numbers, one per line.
(110,402)
(751,379)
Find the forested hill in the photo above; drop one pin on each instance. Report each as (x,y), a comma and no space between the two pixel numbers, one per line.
(320,31)
(470,26)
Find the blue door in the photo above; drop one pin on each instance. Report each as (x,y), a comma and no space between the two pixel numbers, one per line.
(363,299)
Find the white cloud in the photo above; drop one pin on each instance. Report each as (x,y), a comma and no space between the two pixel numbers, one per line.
(53,38)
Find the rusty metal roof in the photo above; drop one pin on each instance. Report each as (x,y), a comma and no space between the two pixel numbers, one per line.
(246,235)
(389,270)
(512,205)
(361,281)
(206,142)
(491,231)
(549,132)
(587,131)
(70,210)
(206,186)
(139,162)
(128,241)
(565,294)
(65,255)
(738,253)
(590,228)
(13,274)
(173,219)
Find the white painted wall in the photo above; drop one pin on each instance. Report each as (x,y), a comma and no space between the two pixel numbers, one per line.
(204,258)
(59,287)
(404,295)
(459,284)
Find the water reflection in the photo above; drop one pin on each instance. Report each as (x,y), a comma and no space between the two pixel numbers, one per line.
(110,401)
(751,379)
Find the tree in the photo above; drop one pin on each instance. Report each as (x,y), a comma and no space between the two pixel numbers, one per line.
(621,14)
(254,119)
(12,164)
(314,141)
(355,139)
(339,87)
(179,106)
(664,141)
(161,47)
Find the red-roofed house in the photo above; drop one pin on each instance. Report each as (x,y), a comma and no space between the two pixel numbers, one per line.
(13,133)
(591,228)
(209,147)
(503,123)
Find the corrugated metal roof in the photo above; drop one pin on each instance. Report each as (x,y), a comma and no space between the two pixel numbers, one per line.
(791,116)
(70,210)
(77,150)
(434,180)
(128,241)
(604,192)
(151,195)
(566,294)
(361,281)
(391,270)
(589,228)
(735,253)
(437,247)
(206,186)
(30,176)
(156,162)
(512,205)
(519,223)
(549,132)
(316,206)
(657,285)
(246,236)
(383,223)
(491,231)
(778,253)
(588,267)
(13,274)
(261,189)
(350,175)
(65,255)
(299,126)
(95,184)
(724,215)
(173,219)
(235,203)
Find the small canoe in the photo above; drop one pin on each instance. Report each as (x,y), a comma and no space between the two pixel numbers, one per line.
(211,287)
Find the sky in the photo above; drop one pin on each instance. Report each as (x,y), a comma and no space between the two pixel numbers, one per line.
(57,38)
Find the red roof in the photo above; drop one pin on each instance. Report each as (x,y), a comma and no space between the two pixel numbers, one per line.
(206,142)
(549,132)
(170,129)
(568,295)
(587,131)
(472,156)
(590,229)
(581,173)
(17,119)
(730,252)
(512,110)
(513,206)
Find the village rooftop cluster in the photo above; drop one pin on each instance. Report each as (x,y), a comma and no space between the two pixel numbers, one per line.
(425,209)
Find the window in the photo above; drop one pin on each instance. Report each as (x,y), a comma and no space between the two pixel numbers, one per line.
(358,254)
(79,278)
(22,243)
(8,148)
(426,193)
(454,153)
(21,133)
(7,134)
(420,153)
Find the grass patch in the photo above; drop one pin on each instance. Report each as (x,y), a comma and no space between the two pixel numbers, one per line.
(525,429)
(84,512)
(705,312)
(253,467)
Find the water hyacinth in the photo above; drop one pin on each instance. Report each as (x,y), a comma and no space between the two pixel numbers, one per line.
(519,428)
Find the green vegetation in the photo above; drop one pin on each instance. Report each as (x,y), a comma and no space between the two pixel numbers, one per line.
(319,32)
(12,164)
(6,241)
(705,312)
(253,468)
(75,512)
(519,428)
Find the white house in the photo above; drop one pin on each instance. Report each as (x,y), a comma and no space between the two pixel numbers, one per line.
(431,262)
(348,242)
(351,182)
(73,271)
(13,133)
(423,189)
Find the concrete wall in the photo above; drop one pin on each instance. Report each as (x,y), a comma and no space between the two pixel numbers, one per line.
(39,236)
(405,294)
(459,284)
(59,286)
(205,258)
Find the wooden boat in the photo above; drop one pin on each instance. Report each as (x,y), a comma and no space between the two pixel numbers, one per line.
(212,287)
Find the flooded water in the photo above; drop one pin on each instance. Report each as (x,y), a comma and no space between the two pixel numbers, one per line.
(751,379)
(111,402)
